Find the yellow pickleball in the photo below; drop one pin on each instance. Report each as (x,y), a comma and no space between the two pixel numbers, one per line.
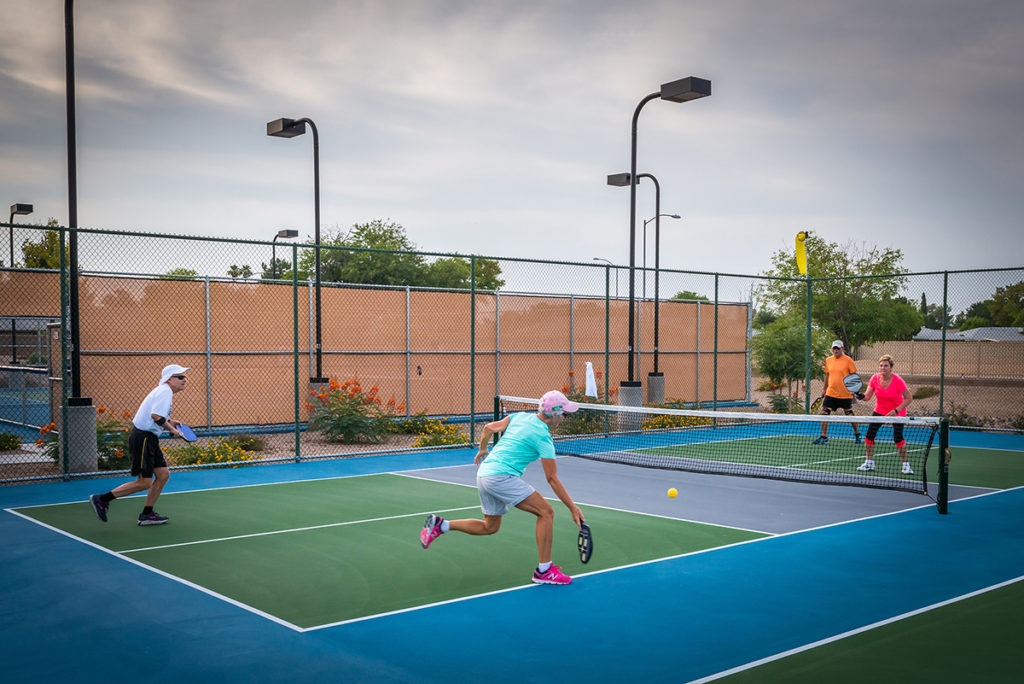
(672,493)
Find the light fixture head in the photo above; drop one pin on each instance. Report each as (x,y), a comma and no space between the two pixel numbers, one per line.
(287,233)
(619,179)
(686,89)
(285,128)
(21,208)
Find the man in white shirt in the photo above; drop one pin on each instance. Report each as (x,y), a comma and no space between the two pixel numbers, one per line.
(148,463)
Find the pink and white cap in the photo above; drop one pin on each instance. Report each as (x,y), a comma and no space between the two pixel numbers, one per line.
(554,403)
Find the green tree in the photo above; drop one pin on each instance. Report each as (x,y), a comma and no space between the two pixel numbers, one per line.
(859,302)
(690,295)
(488,275)
(45,253)
(277,268)
(240,271)
(394,265)
(1007,305)
(972,322)
(763,318)
(380,253)
(456,272)
(780,350)
(977,314)
(180,274)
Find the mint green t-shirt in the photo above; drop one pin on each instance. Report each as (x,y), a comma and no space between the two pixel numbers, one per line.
(525,440)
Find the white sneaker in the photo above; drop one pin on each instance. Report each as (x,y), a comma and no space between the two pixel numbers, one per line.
(906,469)
(866,465)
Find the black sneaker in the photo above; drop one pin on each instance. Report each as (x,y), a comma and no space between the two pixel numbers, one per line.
(99,506)
(153,518)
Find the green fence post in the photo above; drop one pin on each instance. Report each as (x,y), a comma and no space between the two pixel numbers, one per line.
(714,385)
(942,357)
(64,379)
(607,326)
(944,459)
(295,348)
(472,347)
(807,358)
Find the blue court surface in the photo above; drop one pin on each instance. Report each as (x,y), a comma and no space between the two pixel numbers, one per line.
(837,559)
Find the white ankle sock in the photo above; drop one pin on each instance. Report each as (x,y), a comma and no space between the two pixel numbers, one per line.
(543,567)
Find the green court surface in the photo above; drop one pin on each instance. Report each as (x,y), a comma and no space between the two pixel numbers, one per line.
(792,451)
(996,468)
(940,645)
(327,551)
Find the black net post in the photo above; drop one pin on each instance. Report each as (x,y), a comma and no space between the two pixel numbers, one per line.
(943,498)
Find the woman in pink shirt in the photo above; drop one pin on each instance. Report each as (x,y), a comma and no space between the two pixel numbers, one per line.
(892,396)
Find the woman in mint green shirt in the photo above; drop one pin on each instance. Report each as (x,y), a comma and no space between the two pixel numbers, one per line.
(525,437)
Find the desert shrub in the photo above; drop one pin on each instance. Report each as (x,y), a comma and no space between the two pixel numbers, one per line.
(346,413)
(926,392)
(222,451)
(780,403)
(416,424)
(111,439)
(9,441)
(958,415)
(246,441)
(439,432)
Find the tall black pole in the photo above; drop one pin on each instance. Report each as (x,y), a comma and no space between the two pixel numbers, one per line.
(14,320)
(69,70)
(316,240)
(657,234)
(632,236)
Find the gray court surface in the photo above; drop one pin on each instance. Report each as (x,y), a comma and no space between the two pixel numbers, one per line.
(770,506)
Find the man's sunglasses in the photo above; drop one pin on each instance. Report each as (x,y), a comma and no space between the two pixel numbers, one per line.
(179,377)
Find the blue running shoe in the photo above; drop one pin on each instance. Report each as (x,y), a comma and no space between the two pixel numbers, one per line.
(820,440)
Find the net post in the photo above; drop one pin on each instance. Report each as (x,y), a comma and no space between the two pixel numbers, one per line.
(942,502)
(497,408)
(942,357)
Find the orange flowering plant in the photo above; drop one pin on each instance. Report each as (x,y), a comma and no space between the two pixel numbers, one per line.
(111,439)
(347,413)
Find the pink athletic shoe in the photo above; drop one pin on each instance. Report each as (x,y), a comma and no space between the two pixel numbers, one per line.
(431,529)
(554,575)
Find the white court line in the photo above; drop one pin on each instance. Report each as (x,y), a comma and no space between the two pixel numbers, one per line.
(296,628)
(180,580)
(288,531)
(865,628)
(607,508)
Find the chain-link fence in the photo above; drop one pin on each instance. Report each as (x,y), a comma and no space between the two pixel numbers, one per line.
(406,350)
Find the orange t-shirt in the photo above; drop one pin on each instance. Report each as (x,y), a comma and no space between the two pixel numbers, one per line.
(836,370)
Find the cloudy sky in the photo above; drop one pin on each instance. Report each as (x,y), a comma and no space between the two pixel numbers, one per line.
(489,126)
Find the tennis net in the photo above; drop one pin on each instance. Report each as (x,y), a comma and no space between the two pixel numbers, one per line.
(766,445)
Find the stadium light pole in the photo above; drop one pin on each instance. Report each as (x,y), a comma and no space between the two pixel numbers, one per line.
(683,90)
(76,398)
(622,180)
(289,128)
(657,273)
(616,274)
(285,233)
(16,209)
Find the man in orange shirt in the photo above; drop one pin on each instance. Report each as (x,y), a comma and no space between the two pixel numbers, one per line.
(837,367)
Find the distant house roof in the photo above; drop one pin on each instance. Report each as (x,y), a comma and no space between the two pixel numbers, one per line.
(991,334)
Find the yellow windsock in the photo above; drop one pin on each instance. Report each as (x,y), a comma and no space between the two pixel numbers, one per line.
(801,252)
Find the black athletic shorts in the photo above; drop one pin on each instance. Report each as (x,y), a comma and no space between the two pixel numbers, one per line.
(144,450)
(833,403)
